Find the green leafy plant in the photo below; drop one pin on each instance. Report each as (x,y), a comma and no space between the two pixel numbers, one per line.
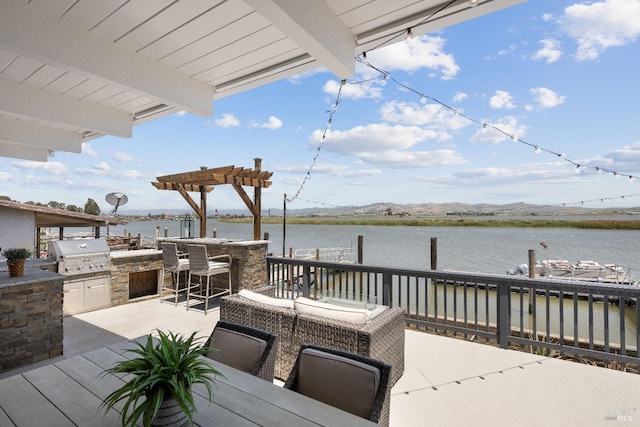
(168,368)
(14,254)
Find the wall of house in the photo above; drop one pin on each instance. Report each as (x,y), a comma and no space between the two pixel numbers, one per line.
(17,228)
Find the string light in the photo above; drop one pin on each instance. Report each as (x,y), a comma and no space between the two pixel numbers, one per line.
(331,112)
(409,34)
(538,149)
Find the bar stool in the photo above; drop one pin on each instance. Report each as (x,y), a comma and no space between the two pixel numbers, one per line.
(202,265)
(174,262)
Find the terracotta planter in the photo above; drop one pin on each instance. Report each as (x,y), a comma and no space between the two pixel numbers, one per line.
(170,414)
(16,267)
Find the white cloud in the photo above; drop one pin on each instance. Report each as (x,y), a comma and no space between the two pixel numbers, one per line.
(227,120)
(415,54)
(122,157)
(364,90)
(501,99)
(88,150)
(434,116)
(391,146)
(54,168)
(128,174)
(339,171)
(508,125)
(273,123)
(550,51)
(460,96)
(104,166)
(546,98)
(601,25)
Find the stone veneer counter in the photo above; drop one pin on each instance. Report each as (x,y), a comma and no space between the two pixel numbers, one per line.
(135,274)
(248,258)
(30,317)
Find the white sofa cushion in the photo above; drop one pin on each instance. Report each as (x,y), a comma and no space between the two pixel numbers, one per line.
(276,302)
(345,314)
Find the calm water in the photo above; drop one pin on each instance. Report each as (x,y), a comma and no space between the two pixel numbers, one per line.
(471,249)
(474,249)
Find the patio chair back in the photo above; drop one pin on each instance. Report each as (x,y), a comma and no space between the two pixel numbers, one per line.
(349,381)
(170,258)
(245,348)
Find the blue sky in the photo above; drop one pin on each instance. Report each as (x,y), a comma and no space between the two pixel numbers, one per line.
(557,74)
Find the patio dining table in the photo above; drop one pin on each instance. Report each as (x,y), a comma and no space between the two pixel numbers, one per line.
(69,393)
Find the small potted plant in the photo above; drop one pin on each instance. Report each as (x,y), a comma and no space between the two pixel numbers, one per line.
(162,378)
(16,258)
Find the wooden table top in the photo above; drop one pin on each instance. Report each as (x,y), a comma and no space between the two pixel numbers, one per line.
(69,393)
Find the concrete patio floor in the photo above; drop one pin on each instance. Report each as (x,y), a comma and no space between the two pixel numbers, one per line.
(446,382)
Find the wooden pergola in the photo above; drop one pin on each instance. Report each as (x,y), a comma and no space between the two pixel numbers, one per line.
(204,180)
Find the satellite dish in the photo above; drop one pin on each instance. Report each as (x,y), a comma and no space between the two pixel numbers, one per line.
(116,200)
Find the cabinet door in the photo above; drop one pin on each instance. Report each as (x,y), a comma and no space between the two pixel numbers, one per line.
(73,301)
(97,293)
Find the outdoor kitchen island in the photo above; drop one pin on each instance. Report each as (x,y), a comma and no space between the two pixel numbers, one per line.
(248,257)
(30,317)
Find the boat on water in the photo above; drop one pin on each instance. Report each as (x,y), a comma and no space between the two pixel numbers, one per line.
(590,271)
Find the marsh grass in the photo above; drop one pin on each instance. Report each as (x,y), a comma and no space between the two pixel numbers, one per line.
(604,224)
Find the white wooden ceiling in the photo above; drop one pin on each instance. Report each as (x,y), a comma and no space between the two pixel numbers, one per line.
(73,70)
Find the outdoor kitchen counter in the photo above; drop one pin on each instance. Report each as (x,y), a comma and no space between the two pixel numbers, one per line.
(135,253)
(248,257)
(30,317)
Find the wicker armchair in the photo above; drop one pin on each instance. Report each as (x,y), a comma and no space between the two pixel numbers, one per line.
(245,348)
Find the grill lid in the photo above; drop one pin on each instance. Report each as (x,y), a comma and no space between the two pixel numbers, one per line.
(82,247)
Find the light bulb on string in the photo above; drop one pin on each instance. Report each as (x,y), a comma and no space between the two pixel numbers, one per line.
(484,128)
(598,170)
(537,149)
(409,34)
(577,170)
(423,99)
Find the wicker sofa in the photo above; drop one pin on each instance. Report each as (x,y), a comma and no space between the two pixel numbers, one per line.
(381,338)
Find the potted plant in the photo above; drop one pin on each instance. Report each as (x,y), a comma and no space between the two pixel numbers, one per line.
(16,258)
(162,378)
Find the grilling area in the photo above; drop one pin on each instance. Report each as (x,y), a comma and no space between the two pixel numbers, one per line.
(78,275)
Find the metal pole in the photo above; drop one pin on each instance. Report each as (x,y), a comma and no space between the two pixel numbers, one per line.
(284,226)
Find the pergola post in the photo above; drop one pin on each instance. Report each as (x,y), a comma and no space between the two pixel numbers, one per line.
(257,203)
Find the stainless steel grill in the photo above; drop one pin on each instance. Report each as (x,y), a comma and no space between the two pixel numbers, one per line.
(87,263)
(82,256)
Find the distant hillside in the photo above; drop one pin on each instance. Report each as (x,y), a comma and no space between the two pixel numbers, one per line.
(418,210)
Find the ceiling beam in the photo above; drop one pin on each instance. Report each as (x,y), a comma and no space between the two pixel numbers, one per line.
(315,27)
(26,30)
(23,152)
(47,106)
(40,136)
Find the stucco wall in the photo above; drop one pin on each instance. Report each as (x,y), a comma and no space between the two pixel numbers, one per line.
(17,228)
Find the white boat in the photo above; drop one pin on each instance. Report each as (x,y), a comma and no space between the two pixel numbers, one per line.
(583,270)
(590,271)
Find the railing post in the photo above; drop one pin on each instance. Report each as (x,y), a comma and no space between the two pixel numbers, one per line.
(504,326)
(306,280)
(386,289)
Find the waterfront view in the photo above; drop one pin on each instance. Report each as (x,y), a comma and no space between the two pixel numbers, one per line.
(472,249)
